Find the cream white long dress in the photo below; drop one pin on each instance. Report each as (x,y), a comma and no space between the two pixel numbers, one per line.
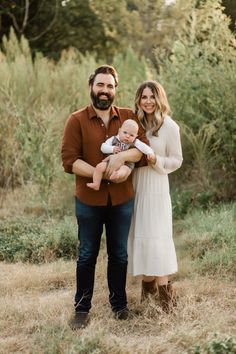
(151,249)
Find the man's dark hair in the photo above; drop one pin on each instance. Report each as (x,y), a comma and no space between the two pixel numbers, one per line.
(104,69)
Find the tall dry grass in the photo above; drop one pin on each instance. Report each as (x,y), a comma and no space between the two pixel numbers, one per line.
(37,95)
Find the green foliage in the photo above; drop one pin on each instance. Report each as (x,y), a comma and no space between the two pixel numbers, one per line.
(77,26)
(209,238)
(218,346)
(37,241)
(200,79)
(186,201)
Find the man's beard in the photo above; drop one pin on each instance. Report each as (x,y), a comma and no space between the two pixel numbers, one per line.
(101,104)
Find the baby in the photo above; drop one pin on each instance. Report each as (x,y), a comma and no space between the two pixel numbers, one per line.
(126,138)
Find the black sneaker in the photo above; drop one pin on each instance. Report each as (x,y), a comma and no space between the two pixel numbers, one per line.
(122,314)
(80,320)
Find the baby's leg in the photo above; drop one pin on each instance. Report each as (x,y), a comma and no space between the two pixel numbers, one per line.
(97,175)
(122,172)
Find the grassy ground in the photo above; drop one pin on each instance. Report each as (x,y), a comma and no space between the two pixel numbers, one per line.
(36,302)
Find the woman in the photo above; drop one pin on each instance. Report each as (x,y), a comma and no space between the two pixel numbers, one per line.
(151,248)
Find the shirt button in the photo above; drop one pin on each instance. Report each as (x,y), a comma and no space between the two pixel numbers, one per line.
(106,136)
(102,125)
(108,183)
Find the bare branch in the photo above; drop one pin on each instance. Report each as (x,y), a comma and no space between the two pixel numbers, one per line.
(40,6)
(26,16)
(15,24)
(32,39)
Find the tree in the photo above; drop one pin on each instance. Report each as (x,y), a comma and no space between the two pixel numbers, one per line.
(26,15)
(118,24)
(77,26)
(51,27)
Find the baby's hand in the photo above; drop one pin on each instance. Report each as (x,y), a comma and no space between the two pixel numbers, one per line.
(116,149)
(151,158)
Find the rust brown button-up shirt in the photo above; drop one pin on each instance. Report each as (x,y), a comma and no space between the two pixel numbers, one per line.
(83,135)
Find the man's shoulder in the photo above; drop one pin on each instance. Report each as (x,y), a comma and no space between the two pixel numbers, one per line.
(81,112)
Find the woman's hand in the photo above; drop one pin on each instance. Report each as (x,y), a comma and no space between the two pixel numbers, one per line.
(152,158)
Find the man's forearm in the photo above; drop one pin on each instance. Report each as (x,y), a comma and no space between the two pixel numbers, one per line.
(82,168)
(131,155)
(117,160)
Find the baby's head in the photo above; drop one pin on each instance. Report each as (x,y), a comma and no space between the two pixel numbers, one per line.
(128,131)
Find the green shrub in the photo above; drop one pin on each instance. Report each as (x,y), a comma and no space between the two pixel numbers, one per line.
(37,240)
(185,201)
(208,237)
(218,346)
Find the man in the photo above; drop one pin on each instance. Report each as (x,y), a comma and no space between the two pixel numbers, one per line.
(112,205)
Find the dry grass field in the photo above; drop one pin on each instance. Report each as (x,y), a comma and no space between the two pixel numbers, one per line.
(36,300)
(36,304)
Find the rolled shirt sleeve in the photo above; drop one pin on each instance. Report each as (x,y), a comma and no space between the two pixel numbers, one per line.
(71,148)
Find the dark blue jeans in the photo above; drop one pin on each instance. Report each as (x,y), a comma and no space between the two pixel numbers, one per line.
(90,227)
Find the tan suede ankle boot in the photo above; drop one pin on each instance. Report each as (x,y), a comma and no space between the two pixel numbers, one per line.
(148,289)
(167,297)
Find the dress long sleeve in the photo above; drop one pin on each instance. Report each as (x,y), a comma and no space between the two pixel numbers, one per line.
(173,153)
(144,148)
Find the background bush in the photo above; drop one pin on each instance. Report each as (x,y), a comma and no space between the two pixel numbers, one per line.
(37,240)
(208,237)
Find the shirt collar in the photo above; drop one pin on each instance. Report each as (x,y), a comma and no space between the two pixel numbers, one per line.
(93,114)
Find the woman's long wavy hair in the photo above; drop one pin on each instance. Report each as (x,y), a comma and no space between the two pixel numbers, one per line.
(162,106)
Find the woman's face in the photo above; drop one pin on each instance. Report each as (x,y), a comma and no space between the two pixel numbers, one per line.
(147,101)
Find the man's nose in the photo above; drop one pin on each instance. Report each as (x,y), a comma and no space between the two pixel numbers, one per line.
(105,89)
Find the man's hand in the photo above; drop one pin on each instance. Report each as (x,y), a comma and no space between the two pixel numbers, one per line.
(114,163)
(119,177)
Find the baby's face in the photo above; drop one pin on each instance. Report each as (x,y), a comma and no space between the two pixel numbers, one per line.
(128,133)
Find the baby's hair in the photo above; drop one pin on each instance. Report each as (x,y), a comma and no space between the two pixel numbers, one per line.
(130,122)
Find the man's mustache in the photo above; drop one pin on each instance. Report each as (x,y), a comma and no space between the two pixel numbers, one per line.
(104,94)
